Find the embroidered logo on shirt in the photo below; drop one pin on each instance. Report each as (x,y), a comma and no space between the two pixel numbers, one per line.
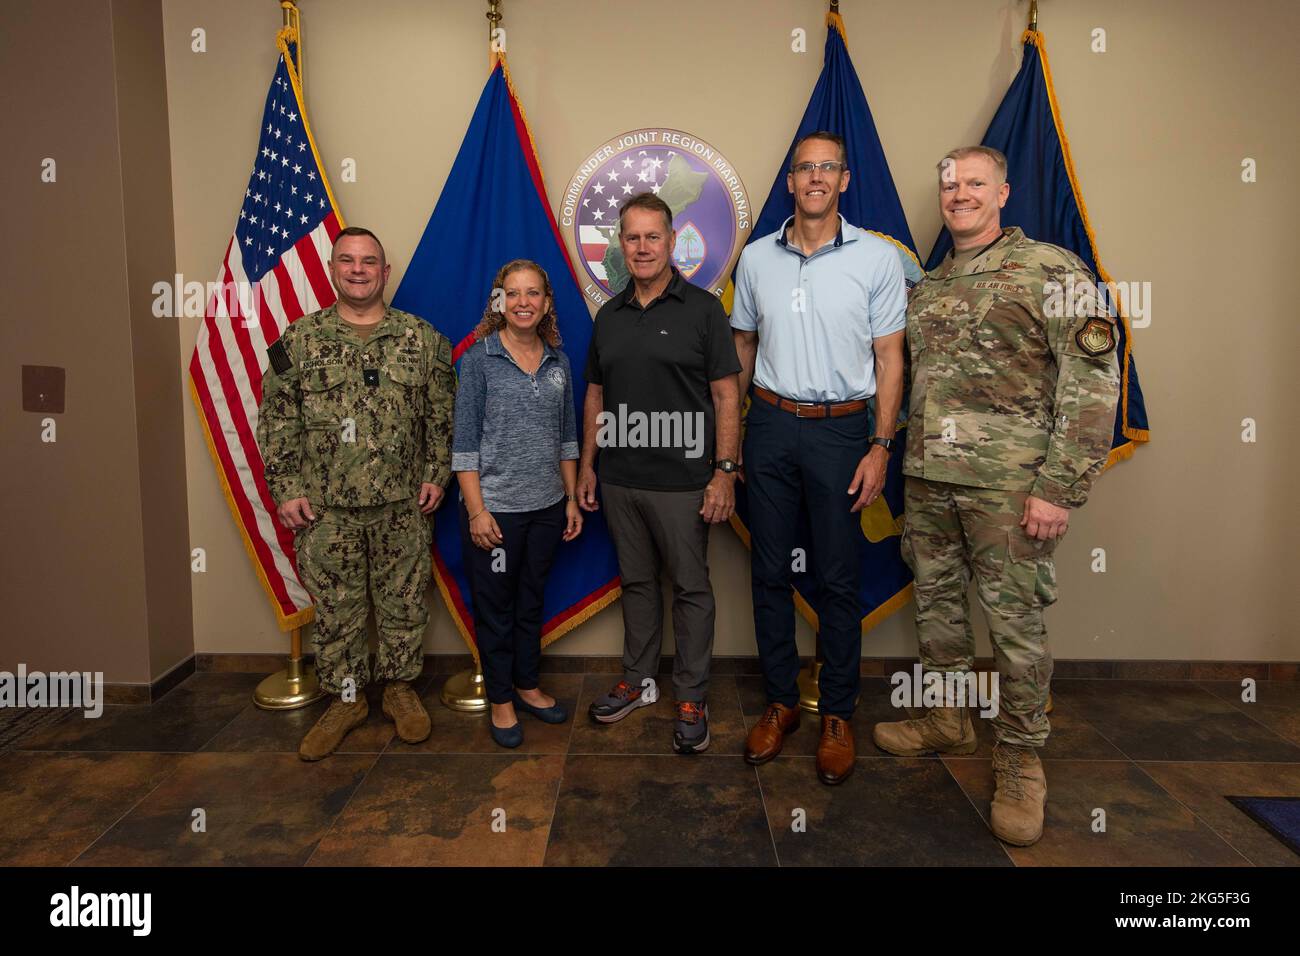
(557,377)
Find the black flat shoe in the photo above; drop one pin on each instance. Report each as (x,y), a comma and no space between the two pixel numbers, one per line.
(510,737)
(555,714)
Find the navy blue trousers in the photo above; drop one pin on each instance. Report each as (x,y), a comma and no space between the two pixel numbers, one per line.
(796,466)
(507,592)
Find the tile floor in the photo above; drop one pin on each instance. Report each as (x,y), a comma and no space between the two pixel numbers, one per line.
(1158,757)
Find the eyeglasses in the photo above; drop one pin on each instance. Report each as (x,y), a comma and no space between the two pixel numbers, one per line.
(830,166)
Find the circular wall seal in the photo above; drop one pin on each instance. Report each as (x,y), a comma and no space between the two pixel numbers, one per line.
(711,212)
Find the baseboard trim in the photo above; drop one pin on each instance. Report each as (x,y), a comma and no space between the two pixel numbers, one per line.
(137,694)
(871,667)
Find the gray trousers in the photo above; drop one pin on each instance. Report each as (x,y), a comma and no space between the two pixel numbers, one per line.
(651,528)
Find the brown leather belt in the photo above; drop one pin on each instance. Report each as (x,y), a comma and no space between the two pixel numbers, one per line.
(811,409)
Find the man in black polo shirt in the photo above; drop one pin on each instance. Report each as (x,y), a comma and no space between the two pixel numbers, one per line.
(662,408)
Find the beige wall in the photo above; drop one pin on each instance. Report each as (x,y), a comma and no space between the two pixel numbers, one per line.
(94,563)
(1197,528)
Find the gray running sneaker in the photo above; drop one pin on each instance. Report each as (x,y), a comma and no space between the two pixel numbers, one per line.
(691,729)
(622,700)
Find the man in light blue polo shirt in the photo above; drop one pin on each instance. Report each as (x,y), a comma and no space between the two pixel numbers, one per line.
(819,317)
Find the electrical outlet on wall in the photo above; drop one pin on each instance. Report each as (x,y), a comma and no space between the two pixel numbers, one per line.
(43,388)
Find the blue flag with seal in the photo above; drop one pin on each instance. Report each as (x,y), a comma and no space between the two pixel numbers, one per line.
(1047,203)
(839,105)
(493,208)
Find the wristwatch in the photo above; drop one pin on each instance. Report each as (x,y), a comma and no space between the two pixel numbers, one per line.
(726,466)
(885,443)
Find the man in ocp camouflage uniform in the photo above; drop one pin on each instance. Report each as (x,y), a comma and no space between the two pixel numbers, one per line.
(1015,383)
(355,433)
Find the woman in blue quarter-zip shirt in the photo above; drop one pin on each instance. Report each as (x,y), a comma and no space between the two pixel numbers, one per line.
(515,455)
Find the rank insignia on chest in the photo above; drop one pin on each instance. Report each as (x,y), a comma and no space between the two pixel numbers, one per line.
(1097,337)
(370,376)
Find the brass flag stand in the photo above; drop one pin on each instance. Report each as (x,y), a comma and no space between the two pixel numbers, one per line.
(809,694)
(295,686)
(465,692)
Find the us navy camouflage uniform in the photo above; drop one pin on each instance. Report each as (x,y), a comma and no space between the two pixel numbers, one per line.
(355,426)
(1013,394)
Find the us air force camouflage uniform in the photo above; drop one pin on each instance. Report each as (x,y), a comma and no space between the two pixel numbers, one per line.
(355,427)
(1007,401)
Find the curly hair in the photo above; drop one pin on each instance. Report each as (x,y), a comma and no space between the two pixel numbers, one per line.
(493,320)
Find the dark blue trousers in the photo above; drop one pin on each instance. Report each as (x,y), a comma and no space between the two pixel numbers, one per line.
(507,591)
(795,466)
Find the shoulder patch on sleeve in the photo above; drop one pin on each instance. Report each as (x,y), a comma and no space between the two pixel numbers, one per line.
(444,350)
(279,357)
(1096,337)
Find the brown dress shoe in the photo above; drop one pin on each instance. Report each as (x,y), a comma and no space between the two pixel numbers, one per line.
(767,736)
(835,752)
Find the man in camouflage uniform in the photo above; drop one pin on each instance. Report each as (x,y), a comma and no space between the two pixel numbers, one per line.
(1015,383)
(355,433)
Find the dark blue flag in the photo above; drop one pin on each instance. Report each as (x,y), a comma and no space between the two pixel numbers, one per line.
(493,209)
(1047,204)
(839,105)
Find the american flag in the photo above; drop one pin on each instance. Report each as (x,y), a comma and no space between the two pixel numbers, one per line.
(272,274)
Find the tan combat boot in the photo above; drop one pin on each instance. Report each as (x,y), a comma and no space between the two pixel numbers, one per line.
(402,706)
(945,730)
(335,724)
(1019,796)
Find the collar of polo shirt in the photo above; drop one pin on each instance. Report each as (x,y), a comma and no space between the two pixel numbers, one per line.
(676,288)
(840,237)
